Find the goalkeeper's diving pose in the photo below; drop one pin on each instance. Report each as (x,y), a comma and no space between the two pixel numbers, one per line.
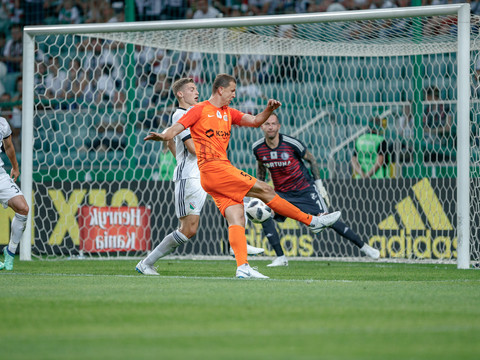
(284,157)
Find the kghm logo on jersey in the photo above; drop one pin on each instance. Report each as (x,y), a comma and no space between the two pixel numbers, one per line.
(218,133)
(405,234)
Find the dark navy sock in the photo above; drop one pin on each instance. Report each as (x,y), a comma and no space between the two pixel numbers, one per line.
(271,233)
(342,229)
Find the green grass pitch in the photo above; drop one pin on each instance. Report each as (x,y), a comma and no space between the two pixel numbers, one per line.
(90,309)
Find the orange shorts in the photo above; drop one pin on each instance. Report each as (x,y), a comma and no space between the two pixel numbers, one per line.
(225,183)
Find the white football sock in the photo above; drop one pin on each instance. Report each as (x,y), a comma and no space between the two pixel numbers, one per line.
(18,227)
(166,247)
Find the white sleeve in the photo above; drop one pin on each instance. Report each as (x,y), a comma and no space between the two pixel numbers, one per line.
(5,130)
(185,134)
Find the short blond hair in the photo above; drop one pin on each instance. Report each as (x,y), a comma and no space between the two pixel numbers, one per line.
(179,84)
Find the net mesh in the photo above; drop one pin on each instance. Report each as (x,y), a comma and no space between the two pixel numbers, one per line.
(98,95)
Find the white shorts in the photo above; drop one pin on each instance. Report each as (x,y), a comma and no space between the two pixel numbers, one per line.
(189,197)
(8,188)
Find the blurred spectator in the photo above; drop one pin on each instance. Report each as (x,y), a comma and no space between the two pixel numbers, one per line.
(6,108)
(404,3)
(68,13)
(475,83)
(437,124)
(314,6)
(226,6)
(93,51)
(288,65)
(6,104)
(161,90)
(3,73)
(248,92)
(149,10)
(39,78)
(161,94)
(54,81)
(205,11)
(261,7)
(258,65)
(143,56)
(17,94)
(12,13)
(174,10)
(34,11)
(285,6)
(107,87)
(3,43)
(4,17)
(75,84)
(13,50)
(237,10)
(110,134)
(118,13)
(93,12)
(16,121)
(474,7)
(108,12)
(406,125)
(370,157)
(194,67)
(344,5)
(161,62)
(406,131)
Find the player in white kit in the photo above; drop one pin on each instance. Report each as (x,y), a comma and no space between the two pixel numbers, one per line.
(11,195)
(189,194)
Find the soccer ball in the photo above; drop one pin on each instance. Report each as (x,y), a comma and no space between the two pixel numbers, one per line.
(257,211)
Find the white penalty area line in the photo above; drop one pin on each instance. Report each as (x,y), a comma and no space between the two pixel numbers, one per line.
(308,281)
(167,277)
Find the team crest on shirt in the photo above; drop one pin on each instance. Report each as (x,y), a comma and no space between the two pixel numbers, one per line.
(273,155)
(285,156)
(219,115)
(225,117)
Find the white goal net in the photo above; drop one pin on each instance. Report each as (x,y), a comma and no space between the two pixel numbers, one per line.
(99,89)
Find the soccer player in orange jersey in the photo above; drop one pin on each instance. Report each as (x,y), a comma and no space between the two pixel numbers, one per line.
(210,124)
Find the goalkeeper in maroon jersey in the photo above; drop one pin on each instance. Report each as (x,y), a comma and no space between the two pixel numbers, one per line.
(284,158)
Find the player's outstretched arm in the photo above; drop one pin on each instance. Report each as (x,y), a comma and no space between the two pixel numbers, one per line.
(10,152)
(167,134)
(261,171)
(259,119)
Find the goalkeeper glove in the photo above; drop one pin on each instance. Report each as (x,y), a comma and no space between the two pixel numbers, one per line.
(323,192)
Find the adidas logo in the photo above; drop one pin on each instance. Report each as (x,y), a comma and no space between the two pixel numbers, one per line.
(412,236)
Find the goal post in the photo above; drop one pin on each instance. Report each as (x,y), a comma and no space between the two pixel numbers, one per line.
(333,73)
